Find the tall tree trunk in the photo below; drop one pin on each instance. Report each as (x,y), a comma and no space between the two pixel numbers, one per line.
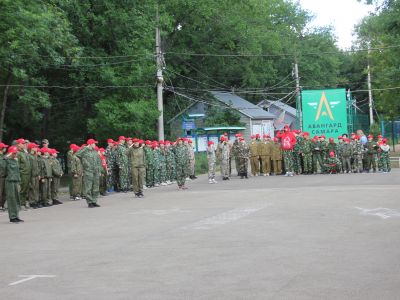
(5,98)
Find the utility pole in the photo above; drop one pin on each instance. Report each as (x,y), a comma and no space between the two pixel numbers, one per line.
(371,115)
(298,104)
(160,80)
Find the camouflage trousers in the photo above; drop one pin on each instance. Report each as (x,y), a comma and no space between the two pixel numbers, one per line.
(211,169)
(346,163)
(385,161)
(123,180)
(181,174)
(243,166)
(110,179)
(237,164)
(225,167)
(34,190)
(307,163)
(149,175)
(171,172)
(318,162)
(161,174)
(358,163)
(288,160)
(372,160)
(296,162)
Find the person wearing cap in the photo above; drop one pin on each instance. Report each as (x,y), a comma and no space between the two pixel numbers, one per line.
(244,155)
(297,152)
(358,152)
(192,160)
(234,151)
(288,140)
(91,172)
(129,143)
(137,159)
(340,149)
(170,163)
(379,152)
(12,181)
(276,157)
(103,172)
(149,164)
(76,175)
(25,171)
(347,153)
(46,177)
(157,163)
(123,166)
(265,151)
(162,164)
(385,159)
(306,153)
(35,178)
(182,161)
(57,173)
(223,154)
(212,162)
(45,143)
(332,164)
(3,149)
(372,154)
(70,152)
(254,156)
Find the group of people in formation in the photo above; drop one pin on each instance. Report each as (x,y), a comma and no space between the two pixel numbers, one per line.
(296,152)
(30,174)
(29,177)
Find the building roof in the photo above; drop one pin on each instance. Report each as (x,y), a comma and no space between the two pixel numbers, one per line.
(287,108)
(243,106)
(224,128)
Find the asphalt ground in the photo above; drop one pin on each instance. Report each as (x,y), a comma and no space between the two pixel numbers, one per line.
(305,237)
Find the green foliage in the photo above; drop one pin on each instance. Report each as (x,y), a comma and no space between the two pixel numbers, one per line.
(217,116)
(201,163)
(375,129)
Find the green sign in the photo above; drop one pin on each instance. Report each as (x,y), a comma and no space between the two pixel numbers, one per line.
(324,112)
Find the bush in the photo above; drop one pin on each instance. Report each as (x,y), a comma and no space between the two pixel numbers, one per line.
(201,166)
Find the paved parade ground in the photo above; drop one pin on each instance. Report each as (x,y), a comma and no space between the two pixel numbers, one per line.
(306,237)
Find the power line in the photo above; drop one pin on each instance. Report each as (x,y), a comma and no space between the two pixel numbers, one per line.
(280,55)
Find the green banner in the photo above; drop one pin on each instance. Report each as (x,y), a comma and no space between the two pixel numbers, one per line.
(324,112)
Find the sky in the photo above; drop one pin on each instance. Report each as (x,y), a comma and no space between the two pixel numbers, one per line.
(343,15)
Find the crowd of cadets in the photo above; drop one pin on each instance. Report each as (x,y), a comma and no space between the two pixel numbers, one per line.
(295,152)
(29,177)
(30,174)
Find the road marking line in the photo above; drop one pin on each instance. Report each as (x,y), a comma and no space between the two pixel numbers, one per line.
(382,212)
(224,218)
(30,277)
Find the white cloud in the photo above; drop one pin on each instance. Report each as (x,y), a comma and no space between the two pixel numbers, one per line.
(343,15)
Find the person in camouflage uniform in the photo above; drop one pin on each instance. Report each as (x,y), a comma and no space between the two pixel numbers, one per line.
(91,164)
(103,172)
(192,160)
(385,159)
(346,154)
(212,162)
(35,179)
(69,160)
(276,156)
(297,152)
(122,163)
(149,154)
(12,180)
(372,154)
(379,152)
(129,143)
(25,170)
(332,164)
(162,164)
(223,154)
(111,165)
(57,174)
(358,151)
(306,151)
(170,163)
(332,146)
(182,161)
(318,161)
(323,145)
(46,177)
(157,163)
(244,155)
(138,162)
(3,149)
(339,150)
(76,174)
(234,151)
